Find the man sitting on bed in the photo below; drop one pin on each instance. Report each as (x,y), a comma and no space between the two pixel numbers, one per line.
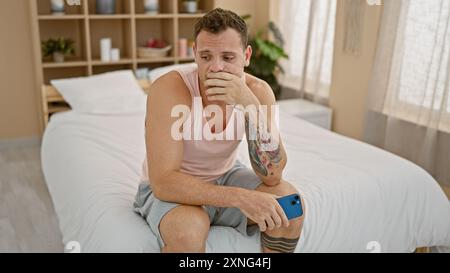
(193,184)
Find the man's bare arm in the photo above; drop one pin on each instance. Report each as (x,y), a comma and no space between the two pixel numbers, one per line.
(266,151)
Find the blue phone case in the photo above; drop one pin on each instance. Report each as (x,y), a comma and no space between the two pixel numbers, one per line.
(292,206)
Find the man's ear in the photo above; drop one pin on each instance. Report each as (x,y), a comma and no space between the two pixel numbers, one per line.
(248,55)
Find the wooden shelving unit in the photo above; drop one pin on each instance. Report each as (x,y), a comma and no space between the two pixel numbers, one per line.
(129,28)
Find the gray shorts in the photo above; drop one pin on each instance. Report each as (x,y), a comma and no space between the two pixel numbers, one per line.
(153,209)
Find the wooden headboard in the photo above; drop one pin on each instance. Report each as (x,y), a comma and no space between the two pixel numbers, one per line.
(53,102)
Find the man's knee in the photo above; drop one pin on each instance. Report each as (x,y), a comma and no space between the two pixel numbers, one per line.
(295,225)
(185,228)
(281,189)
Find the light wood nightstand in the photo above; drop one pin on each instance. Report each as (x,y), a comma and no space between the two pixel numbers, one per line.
(309,111)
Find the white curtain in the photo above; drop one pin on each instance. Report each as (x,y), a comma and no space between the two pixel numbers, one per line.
(409,103)
(308,27)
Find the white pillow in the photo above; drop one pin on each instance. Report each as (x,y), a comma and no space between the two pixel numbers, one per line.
(156,73)
(108,93)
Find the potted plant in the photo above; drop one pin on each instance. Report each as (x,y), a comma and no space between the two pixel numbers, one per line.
(266,55)
(190,6)
(58,48)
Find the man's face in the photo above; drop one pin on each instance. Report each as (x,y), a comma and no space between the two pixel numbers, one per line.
(222,52)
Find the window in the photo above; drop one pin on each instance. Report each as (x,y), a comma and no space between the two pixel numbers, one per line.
(425,61)
(308,27)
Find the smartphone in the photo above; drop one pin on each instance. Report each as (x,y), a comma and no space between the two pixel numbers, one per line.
(292,206)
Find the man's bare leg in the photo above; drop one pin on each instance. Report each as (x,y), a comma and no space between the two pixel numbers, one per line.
(284,239)
(185,229)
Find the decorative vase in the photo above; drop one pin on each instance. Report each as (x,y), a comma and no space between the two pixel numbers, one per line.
(57,7)
(58,57)
(190,6)
(151,6)
(106,6)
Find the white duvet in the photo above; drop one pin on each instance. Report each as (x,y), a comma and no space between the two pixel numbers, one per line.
(358,198)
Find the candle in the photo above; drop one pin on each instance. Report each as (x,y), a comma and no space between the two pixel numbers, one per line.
(115,54)
(105,49)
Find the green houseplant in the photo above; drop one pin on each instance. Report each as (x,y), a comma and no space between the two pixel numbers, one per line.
(266,56)
(58,48)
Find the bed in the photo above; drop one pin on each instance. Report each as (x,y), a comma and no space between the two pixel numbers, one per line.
(358,198)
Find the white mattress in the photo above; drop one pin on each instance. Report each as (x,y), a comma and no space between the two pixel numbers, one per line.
(354,193)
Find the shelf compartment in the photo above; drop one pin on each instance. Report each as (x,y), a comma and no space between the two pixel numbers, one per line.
(69,29)
(118,30)
(157,29)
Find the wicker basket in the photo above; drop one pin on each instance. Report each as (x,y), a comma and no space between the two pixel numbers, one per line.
(148,52)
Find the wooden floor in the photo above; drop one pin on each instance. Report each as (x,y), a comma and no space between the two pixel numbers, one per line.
(27,218)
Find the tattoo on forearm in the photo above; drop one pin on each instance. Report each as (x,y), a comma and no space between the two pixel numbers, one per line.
(262,160)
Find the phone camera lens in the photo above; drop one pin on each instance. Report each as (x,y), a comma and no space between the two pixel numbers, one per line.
(294,202)
(297,197)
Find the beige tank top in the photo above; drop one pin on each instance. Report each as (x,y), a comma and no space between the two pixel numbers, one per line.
(206,159)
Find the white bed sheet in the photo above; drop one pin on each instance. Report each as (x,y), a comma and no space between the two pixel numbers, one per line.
(354,193)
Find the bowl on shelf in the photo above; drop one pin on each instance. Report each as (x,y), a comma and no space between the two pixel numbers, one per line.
(149,52)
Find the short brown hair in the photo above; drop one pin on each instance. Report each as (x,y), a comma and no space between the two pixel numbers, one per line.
(219,20)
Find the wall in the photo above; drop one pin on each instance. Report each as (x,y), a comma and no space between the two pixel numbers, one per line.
(351,74)
(18,97)
(259,9)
